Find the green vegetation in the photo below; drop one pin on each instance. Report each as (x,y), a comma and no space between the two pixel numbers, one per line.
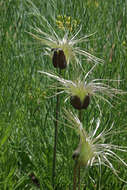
(27,115)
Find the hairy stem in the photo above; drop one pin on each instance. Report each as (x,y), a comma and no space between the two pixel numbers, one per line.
(79,178)
(55,137)
(77,166)
(75,175)
(80,118)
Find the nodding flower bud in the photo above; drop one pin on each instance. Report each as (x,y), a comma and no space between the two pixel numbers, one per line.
(75,155)
(78,104)
(59,59)
(84,152)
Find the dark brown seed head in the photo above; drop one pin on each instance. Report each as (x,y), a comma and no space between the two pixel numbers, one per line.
(86,102)
(77,104)
(59,59)
(55,58)
(62,60)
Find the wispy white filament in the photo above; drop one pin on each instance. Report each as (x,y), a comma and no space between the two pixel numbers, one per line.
(96,88)
(102,153)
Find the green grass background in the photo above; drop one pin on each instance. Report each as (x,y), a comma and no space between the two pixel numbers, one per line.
(26,116)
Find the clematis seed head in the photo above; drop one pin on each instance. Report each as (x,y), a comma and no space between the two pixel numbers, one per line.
(78,104)
(59,59)
(93,148)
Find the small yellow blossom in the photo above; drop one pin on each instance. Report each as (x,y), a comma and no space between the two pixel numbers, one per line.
(59,17)
(66,23)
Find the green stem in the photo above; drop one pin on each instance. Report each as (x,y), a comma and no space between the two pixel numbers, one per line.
(79,178)
(80,118)
(76,166)
(55,137)
(74,174)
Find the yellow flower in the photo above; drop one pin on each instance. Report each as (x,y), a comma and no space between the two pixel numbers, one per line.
(68,19)
(67,22)
(59,17)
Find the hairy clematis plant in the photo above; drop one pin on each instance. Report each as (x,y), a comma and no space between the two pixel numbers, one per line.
(65,48)
(93,149)
(82,91)
(62,48)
